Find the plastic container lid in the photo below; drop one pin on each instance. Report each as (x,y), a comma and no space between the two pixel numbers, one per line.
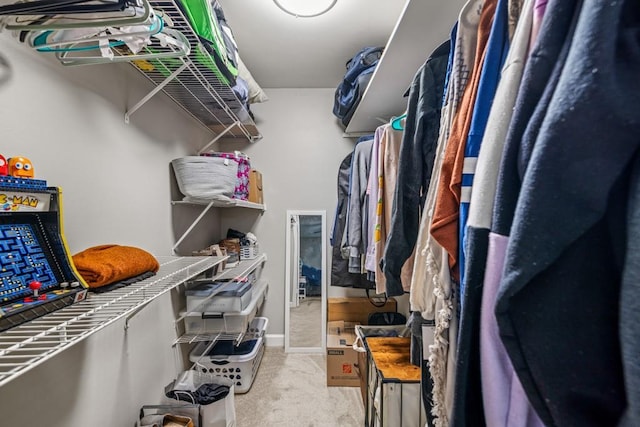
(234,289)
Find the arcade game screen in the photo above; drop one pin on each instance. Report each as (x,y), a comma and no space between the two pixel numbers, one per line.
(22,261)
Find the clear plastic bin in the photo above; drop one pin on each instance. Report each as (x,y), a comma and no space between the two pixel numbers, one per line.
(230,322)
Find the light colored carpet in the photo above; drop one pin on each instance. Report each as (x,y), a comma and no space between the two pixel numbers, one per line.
(305,323)
(290,391)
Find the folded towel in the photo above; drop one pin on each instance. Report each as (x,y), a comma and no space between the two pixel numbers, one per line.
(106,264)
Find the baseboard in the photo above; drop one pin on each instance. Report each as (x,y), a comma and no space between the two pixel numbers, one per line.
(274,340)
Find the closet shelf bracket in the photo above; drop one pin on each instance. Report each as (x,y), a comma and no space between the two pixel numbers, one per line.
(219,136)
(155,90)
(192,226)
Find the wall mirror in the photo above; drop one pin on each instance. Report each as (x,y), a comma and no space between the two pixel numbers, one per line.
(306,282)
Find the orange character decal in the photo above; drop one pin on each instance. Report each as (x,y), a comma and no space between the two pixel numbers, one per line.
(20,167)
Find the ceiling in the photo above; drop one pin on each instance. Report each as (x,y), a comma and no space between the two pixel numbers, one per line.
(283,51)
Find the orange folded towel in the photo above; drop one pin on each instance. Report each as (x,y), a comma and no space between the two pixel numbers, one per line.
(106,264)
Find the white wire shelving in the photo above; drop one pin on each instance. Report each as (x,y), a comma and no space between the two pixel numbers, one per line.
(192,84)
(26,346)
(208,204)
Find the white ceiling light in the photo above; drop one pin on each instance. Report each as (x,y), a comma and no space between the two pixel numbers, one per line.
(305,9)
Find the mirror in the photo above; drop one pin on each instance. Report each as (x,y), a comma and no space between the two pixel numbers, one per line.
(306,282)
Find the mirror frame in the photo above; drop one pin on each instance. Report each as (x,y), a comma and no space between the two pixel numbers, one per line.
(288,282)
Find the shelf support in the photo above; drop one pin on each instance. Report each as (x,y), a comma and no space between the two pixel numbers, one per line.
(217,138)
(155,90)
(192,226)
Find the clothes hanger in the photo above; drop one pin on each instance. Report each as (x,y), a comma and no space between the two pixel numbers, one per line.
(396,122)
(174,44)
(92,38)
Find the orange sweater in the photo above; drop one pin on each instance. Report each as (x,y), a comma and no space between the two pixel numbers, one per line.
(106,264)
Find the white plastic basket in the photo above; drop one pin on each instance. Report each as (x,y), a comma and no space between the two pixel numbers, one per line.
(249,252)
(241,369)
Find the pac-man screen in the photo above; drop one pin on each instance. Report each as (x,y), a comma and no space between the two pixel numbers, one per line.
(22,260)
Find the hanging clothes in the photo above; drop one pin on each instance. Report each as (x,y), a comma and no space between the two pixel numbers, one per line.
(495,54)
(340,275)
(417,153)
(468,402)
(515,12)
(417,156)
(388,161)
(538,13)
(358,222)
(539,81)
(629,304)
(372,192)
(444,227)
(575,183)
(432,293)
(421,296)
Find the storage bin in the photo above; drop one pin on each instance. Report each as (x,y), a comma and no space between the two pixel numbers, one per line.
(153,414)
(221,413)
(237,363)
(205,178)
(227,296)
(364,331)
(393,385)
(230,322)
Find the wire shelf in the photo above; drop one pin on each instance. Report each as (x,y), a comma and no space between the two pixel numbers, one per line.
(27,346)
(244,317)
(192,83)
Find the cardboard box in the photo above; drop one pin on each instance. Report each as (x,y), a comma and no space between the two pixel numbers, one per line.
(341,357)
(356,309)
(255,187)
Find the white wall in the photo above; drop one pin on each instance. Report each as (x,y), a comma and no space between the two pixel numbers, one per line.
(299,158)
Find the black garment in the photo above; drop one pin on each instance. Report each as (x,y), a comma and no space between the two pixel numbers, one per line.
(122,283)
(204,395)
(558,303)
(417,154)
(541,74)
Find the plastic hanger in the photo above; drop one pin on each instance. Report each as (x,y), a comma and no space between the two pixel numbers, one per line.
(396,122)
(174,44)
(92,38)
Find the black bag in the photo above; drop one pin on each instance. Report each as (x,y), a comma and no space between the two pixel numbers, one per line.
(386,318)
(349,92)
